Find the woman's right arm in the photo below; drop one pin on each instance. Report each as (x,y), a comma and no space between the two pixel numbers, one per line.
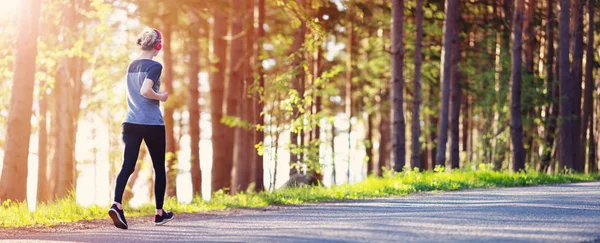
(149,93)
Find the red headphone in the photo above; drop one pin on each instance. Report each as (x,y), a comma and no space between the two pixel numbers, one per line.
(159,43)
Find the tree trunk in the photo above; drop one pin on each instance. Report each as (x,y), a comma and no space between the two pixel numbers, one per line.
(568,135)
(68,88)
(465,126)
(318,99)
(416,121)
(275,160)
(500,124)
(58,164)
(455,93)
(194,106)
(445,79)
(169,109)
(13,183)
(528,31)
(385,138)
(433,121)
(53,140)
(528,49)
(555,150)
(69,84)
(576,78)
(42,183)
(516,123)
(398,127)
(588,102)
(333,170)
(259,119)
(245,162)
(243,149)
(237,97)
(596,132)
(150,183)
(114,152)
(222,158)
(369,146)
(297,78)
(592,159)
(551,90)
(492,123)
(348,89)
(251,96)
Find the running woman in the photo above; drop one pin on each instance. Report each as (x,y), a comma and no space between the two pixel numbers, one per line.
(143,121)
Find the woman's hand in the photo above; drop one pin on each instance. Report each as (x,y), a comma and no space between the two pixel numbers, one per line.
(163,96)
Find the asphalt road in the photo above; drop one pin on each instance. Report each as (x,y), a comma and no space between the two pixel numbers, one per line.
(561,213)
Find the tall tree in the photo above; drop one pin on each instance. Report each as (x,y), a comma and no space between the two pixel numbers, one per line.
(445,78)
(500,121)
(432,136)
(416,121)
(528,49)
(466,132)
(568,125)
(13,185)
(350,49)
(298,76)
(69,90)
(169,109)
(43,193)
(236,92)
(251,95)
(551,89)
(529,33)
(455,93)
(516,120)
(193,105)
(244,137)
(398,122)
(318,105)
(333,170)
(576,79)
(369,150)
(259,119)
(588,101)
(222,158)
(385,143)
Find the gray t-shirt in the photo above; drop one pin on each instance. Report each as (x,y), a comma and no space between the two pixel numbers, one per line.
(142,110)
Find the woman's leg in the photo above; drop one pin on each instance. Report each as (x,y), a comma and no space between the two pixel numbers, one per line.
(156,141)
(132,149)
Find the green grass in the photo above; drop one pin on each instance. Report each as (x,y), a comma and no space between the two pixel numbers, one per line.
(14,214)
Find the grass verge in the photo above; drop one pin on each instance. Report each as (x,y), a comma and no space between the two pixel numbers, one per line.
(13,214)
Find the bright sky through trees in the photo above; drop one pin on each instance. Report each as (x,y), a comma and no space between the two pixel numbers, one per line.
(9,7)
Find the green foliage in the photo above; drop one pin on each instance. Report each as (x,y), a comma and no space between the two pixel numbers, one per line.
(392,184)
(8,33)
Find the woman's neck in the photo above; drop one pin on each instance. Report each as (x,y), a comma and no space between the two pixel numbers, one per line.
(146,55)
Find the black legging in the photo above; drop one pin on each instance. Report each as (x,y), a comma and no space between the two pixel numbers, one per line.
(154,136)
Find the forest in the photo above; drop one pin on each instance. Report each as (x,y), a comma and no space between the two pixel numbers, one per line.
(265,93)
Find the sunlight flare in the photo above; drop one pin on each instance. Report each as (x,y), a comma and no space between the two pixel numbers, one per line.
(9,8)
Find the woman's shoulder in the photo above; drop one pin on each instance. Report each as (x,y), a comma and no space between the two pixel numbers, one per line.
(156,64)
(152,64)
